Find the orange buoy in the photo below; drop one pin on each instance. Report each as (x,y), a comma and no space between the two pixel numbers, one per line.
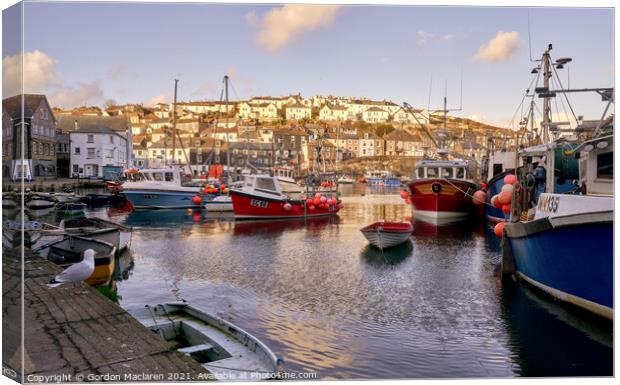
(495,202)
(197,199)
(479,197)
(499,229)
(506,209)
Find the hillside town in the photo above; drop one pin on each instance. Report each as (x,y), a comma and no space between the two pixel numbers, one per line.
(257,133)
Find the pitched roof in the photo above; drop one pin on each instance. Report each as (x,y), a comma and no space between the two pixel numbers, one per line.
(13,105)
(376,109)
(402,136)
(297,105)
(96,128)
(115,123)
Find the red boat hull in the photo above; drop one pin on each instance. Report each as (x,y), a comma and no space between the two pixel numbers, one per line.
(441,200)
(247,206)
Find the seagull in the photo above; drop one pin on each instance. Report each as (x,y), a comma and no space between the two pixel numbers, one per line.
(77,272)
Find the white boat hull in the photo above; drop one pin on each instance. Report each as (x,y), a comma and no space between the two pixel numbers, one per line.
(219,204)
(384,240)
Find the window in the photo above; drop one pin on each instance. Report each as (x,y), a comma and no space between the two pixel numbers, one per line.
(158,176)
(460,173)
(77,150)
(76,168)
(432,172)
(35,148)
(109,154)
(90,153)
(446,172)
(90,139)
(140,152)
(605,166)
(265,184)
(168,176)
(111,139)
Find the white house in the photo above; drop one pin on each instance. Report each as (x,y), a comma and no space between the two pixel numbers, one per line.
(333,112)
(375,115)
(297,111)
(95,146)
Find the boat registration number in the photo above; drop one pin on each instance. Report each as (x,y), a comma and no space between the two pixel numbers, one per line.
(549,203)
(151,196)
(257,203)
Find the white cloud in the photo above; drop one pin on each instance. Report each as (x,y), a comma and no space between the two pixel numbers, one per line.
(423,37)
(281,25)
(157,99)
(38,73)
(500,48)
(85,94)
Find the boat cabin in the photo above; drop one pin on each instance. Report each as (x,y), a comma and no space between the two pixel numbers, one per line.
(285,173)
(155,175)
(596,166)
(262,185)
(432,169)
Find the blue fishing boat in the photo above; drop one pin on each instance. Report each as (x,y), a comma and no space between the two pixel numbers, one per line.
(381,179)
(560,240)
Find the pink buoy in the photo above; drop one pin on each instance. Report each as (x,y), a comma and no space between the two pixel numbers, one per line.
(479,197)
(287,207)
(510,179)
(317,195)
(323,199)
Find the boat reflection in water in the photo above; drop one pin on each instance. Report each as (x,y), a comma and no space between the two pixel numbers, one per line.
(445,230)
(124,266)
(276,227)
(550,340)
(161,218)
(387,257)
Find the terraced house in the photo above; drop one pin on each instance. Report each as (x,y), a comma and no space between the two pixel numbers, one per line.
(37,124)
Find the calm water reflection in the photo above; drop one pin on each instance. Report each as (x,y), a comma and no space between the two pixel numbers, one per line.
(327,302)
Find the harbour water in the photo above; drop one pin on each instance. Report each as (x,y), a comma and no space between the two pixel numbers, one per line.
(329,304)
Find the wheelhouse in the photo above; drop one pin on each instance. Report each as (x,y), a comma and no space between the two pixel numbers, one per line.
(441,170)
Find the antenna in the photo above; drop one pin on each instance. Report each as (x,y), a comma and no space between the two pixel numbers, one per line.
(529,35)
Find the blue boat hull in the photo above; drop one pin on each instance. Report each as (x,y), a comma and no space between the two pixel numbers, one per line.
(148,199)
(573,263)
(494,187)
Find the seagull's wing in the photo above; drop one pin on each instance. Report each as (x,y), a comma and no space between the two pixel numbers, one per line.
(75,273)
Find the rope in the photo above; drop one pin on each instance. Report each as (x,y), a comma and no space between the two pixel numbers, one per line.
(466,193)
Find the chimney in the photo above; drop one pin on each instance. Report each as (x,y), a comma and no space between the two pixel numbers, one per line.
(75,125)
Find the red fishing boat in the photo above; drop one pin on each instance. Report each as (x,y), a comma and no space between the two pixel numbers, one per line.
(441,191)
(260,197)
(384,234)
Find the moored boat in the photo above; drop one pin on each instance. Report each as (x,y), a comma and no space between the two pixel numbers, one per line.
(441,190)
(97,228)
(227,351)
(40,202)
(161,189)
(560,234)
(219,203)
(70,250)
(384,234)
(260,197)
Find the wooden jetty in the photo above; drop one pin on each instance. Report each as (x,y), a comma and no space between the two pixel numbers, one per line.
(72,337)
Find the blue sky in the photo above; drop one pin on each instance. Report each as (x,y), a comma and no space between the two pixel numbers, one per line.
(132,52)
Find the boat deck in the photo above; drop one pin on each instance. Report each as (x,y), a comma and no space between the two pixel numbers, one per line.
(243,363)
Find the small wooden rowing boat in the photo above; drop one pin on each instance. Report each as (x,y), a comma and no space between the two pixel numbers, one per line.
(384,234)
(70,250)
(228,352)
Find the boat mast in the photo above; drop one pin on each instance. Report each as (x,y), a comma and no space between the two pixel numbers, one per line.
(547,99)
(174,122)
(227,134)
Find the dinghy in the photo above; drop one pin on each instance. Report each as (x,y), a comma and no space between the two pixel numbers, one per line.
(97,228)
(384,234)
(224,349)
(70,250)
